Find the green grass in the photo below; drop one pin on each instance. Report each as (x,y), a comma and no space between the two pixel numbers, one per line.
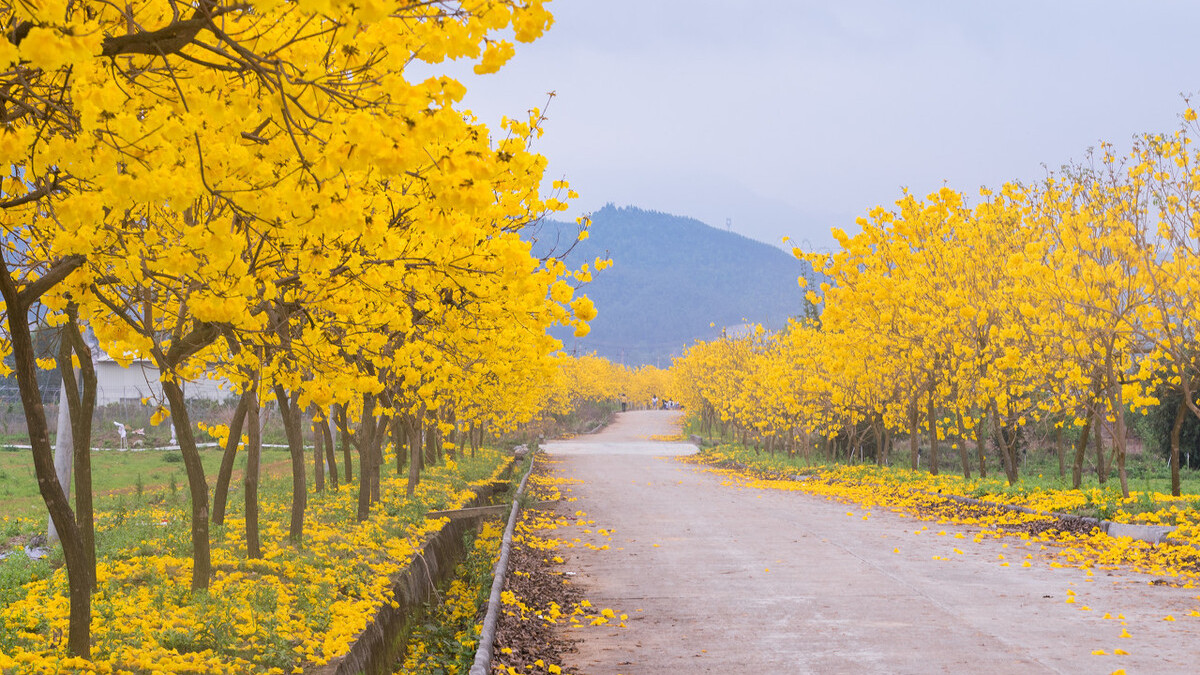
(127,528)
(1147,472)
(113,473)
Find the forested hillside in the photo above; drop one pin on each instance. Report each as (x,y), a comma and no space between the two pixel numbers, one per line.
(674,280)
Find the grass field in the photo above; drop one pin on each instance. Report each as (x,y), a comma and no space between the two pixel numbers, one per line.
(1038,470)
(297,604)
(115,475)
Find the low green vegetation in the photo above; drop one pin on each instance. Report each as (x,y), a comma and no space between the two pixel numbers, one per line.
(114,474)
(1149,474)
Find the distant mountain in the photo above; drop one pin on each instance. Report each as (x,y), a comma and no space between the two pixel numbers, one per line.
(672,277)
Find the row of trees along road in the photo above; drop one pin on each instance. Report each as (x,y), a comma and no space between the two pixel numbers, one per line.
(255,191)
(1068,302)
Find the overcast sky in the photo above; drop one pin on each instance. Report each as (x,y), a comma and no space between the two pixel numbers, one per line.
(789,118)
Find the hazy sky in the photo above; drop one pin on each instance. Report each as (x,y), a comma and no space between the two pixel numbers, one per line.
(792,117)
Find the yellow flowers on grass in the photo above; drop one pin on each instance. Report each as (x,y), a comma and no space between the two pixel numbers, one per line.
(919,493)
(290,609)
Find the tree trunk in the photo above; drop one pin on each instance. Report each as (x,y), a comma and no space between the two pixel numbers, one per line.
(363,440)
(1119,446)
(400,438)
(913,449)
(318,454)
(197,485)
(1101,469)
(1061,449)
(343,426)
(250,481)
(81,408)
(981,445)
(963,455)
(431,444)
(1176,429)
(396,431)
(290,411)
(25,359)
(933,435)
(1006,443)
(1080,451)
(330,451)
(376,446)
(1117,403)
(64,451)
(225,474)
(414,459)
(452,453)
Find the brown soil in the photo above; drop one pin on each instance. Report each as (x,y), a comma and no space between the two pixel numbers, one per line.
(537,582)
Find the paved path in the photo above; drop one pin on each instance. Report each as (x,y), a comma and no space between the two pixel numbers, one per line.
(719,578)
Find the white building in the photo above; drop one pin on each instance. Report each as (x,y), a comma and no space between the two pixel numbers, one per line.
(116,383)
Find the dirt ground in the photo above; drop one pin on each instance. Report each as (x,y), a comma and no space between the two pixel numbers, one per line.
(720,578)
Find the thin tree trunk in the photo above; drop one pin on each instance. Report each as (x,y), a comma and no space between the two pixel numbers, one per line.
(401,434)
(344,439)
(362,442)
(16,312)
(376,446)
(887,446)
(431,443)
(933,435)
(330,453)
(81,409)
(225,474)
(452,453)
(73,443)
(64,452)
(877,431)
(290,412)
(1061,449)
(981,445)
(1176,429)
(913,448)
(1119,446)
(1007,443)
(414,456)
(1101,469)
(318,454)
(1080,451)
(250,481)
(197,484)
(962,446)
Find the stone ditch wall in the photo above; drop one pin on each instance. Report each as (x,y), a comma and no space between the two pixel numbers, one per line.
(377,648)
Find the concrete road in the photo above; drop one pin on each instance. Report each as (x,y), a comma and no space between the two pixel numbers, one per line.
(721,578)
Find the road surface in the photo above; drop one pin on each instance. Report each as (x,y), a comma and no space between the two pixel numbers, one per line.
(721,578)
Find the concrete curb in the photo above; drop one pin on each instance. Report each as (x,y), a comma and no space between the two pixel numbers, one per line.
(376,649)
(482,664)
